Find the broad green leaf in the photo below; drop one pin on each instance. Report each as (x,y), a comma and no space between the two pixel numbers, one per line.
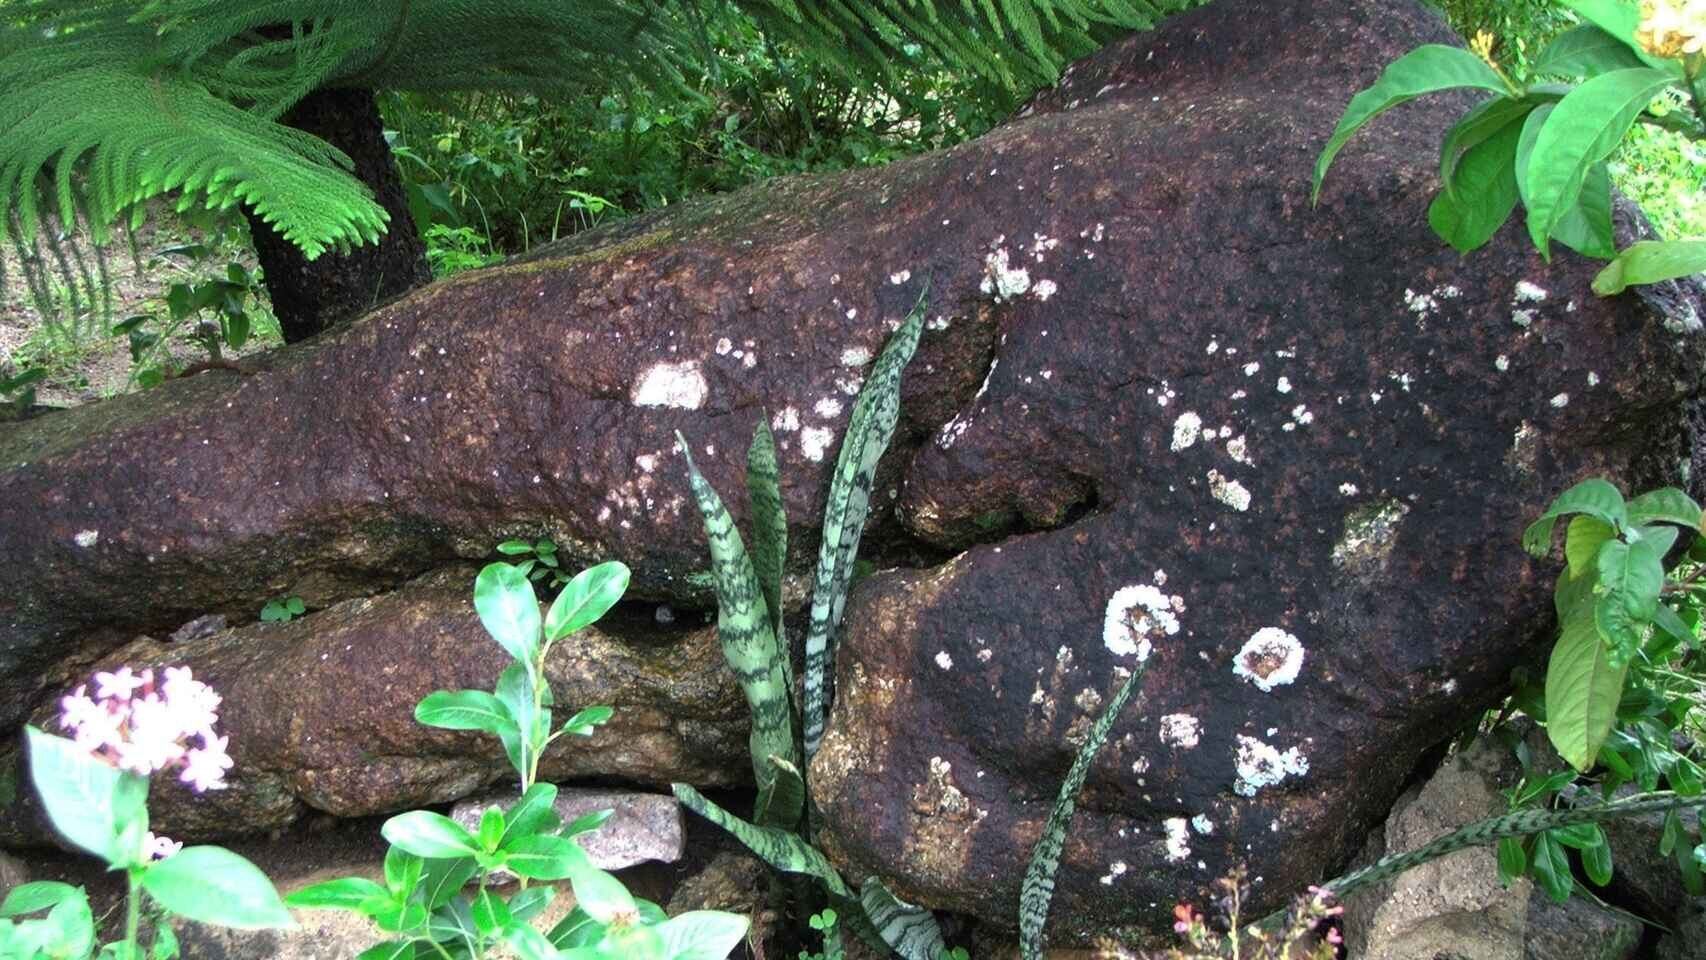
(1585,50)
(1037,890)
(869,430)
(1666,620)
(344,893)
(533,813)
(39,895)
(402,871)
(585,598)
(1578,836)
(1668,505)
(782,849)
(743,627)
(431,835)
(214,885)
(586,719)
(529,903)
(1582,130)
(1618,630)
(1513,862)
(544,857)
(442,880)
(389,950)
(601,895)
(515,688)
(73,923)
(1582,540)
(491,831)
(909,930)
(1651,261)
(1633,572)
(702,935)
(528,943)
(464,710)
(400,917)
(1594,497)
(1429,68)
(1481,193)
(1582,692)
(769,526)
(578,929)
(89,802)
(1586,227)
(1483,122)
(587,822)
(165,945)
(508,609)
(490,913)
(1575,596)
(1552,868)
(1596,860)
(515,548)
(1619,19)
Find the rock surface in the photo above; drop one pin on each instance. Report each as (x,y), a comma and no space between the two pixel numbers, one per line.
(320,711)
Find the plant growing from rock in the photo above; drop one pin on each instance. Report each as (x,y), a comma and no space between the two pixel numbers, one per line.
(94,788)
(749,625)
(1546,144)
(421,904)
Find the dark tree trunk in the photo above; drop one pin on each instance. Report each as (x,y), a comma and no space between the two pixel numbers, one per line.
(309,296)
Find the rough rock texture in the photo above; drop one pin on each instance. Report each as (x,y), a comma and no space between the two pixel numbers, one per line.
(1644,879)
(1293,450)
(320,711)
(642,826)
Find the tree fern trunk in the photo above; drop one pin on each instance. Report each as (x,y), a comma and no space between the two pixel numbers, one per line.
(309,296)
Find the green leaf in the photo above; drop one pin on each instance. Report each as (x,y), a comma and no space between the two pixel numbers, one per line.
(1594,497)
(515,691)
(1582,130)
(1651,261)
(1633,573)
(1513,862)
(442,880)
(909,930)
(1483,122)
(491,831)
(782,849)
(464,710)
(1585,50)
(39,895)
(389,950)
(786,801)
(702,935)
(585,720)
(165,942)
(528,943)
(1429,68)
(1596,860)
(869,430)
(1578,836)
(586,597)
(600,894)
(1586,227)
(587,822)
(743,628)
(214,885)
(1582,540)
(508,610)
(1667,505)
(578,929)
(1575,596)
(73,924)
(544,857)
(1619,19)
(430,835)
(533,813)
(769,525)
(529,903)
(344,893)
(1582,692)
(403,871)
(1037,889)
(1481,195)
(490,913)
(88,801)
(1552,868)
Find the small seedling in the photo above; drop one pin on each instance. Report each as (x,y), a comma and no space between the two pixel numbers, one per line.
(282,610)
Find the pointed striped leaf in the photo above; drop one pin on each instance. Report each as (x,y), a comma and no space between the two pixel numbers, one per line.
(769,526)
(1668,505)
(787,801)
(869,430)
(909,930)
(782,849)
(1037,890)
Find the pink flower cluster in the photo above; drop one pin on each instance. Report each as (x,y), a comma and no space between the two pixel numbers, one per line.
(143,726)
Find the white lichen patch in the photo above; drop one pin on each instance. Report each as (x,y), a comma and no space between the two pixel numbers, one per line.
(1260,766)
(1044,289)
(1502,363)
(1041,245)
(1560,400)
(1402,379)
(1178,838)
(1419,304)
(647,462)
(1180,730)
(1228,491)
(855,356)
(86,538)
(828,408)
(1238,449)
(786,420)
(678,385)
(815,441)
(1348,489)
(944,661)
(1116,870)
(901,277)
(1522,318)
(1269,659)
(1202,824)
(1137,615)
(1593,379)
(1002,281)
(1370,533)
(985,655)
(1284,385)
(724,345)
(1186,430)
(1527,293)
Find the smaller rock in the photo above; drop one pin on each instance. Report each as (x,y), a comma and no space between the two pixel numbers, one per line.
(12,874)
(733,881)
(201,627)
(1684,940)
(643,826)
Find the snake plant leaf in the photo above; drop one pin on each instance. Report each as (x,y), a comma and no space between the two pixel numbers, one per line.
(1037,890)
(782,849)
(769,529)
(908,930)
(786,801)
(869,430)
(743,628)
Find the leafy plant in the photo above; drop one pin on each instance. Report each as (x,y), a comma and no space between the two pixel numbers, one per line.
(282,610)
(1547,144)
(749,626)
(422,904)
(19,390)
(537,559)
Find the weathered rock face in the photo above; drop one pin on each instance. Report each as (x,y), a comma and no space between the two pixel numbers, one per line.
(320,712)
(1303,444)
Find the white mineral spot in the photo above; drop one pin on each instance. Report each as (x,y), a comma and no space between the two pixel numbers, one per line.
(1375,397)
(1178,838)
(1186,430)
(1284,385)
(828,408)
(1115,870)
(647,462)
(1593,379)
(944,661)
(1140,766)
(1561,401)
(1202,824)
(1180,730)
(985,655)
(724,345)
(1527,293)
(814,441)
(855,356)
(1044,289)
(679,385)
(1047,374)
(785,420)
(1136,615)
(1213,346)
(852,312)
(1402,379)
(1503,363)
(750,360)
(1270,658)
(899,278)
(1419,303)
(1002,281)
(1160,579)
(1251,368)
(1237,449)
(1238,394)
(86,538)
(1447,292)
(1522,318)
(1348,489)
(1228,491)
(1301,416)
(1260,765)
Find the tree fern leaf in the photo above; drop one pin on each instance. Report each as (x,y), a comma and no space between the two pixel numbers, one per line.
(1038,888)
(869,430)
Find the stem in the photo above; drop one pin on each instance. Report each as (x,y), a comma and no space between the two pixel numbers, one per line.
(132,911)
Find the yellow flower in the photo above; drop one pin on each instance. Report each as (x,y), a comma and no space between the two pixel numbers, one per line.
(1482,46)
(1672,29)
